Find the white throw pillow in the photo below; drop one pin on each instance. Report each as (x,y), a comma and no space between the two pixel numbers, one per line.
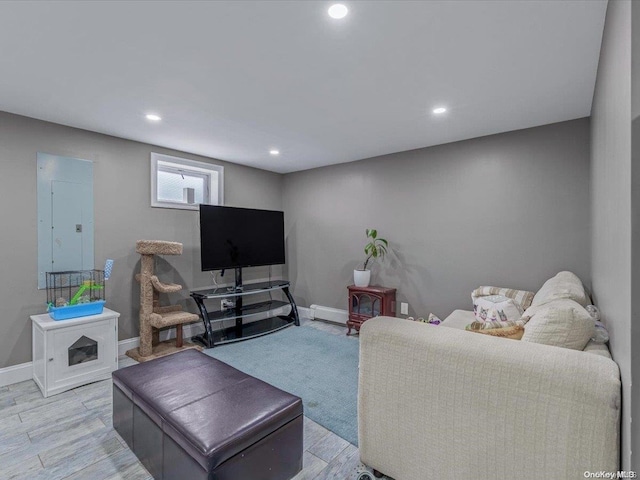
(497,311)
(563,285)
(562,323)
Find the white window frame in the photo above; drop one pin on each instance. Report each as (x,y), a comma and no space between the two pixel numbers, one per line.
(168,163)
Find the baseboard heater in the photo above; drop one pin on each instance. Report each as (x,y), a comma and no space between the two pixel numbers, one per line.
(329,314)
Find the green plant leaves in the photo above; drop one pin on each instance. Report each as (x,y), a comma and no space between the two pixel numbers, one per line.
(376,248)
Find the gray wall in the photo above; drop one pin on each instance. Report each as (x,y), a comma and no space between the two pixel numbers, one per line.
(122,216)
(611,198)
(635,221)
(507,210)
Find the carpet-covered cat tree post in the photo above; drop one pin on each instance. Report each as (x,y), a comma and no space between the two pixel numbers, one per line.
(152,316)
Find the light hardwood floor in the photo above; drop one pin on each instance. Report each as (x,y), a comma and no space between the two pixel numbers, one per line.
(70,436)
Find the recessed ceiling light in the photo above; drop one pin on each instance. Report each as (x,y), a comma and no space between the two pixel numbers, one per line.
(439,110)
(274,152)
(153,117)
(338,11)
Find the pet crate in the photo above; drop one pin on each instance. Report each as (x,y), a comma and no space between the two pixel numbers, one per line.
(75,293)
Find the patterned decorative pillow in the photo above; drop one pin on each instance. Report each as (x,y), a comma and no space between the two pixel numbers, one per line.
(523,297)
(497,311)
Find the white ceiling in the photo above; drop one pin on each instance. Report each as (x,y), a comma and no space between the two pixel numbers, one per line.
(235,79)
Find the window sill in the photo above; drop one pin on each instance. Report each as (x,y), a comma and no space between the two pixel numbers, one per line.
(176,206)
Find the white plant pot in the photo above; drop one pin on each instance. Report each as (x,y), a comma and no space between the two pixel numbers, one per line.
(361,278)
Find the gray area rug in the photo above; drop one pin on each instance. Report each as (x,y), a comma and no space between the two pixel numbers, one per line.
(317,366)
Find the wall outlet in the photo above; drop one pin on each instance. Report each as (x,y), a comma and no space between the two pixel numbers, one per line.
(404,308)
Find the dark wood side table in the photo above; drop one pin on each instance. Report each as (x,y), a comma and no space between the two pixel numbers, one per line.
(369,302)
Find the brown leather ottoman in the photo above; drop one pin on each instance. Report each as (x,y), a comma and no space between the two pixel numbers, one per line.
(190,416)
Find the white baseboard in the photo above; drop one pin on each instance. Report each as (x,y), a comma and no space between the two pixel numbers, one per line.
(335,315)
(187,332)
(304,312)
(128,344)
(15,374)
(22,372)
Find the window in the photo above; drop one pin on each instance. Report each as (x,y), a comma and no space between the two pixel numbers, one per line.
(181,183)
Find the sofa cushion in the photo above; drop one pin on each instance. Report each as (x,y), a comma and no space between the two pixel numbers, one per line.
(562,323)
(523,297)
(459,319)
(563,285)
(597,349)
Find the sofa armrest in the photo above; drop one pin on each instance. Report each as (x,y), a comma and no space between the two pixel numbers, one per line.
(438,402)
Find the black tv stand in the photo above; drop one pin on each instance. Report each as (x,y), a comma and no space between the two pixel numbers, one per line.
(241,330)
(238,277)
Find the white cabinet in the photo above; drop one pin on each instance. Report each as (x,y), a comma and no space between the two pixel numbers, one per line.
(74,352)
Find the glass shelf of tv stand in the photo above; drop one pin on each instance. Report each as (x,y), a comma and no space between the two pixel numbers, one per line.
(241,330)
(247,289)
(247,310)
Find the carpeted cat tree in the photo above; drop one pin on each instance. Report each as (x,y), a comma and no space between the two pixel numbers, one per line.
(152,316)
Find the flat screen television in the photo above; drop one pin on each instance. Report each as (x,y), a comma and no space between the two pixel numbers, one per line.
(240,237)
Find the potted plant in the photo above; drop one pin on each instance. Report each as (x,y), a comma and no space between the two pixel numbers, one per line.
(376,248)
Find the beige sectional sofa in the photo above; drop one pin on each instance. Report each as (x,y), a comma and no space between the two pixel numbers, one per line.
(438,402)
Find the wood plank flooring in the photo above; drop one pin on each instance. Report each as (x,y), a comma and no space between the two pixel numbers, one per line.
(70,436)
